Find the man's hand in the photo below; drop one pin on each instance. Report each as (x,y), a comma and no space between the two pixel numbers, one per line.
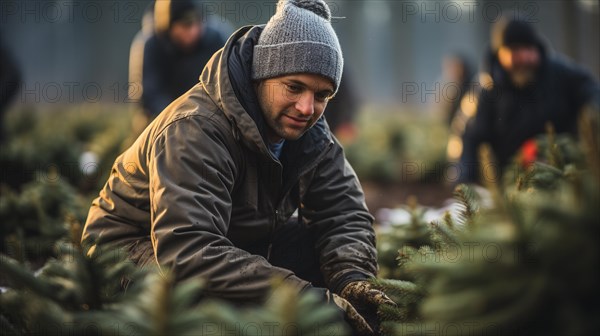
(362,293)
(356,321)
(367,299)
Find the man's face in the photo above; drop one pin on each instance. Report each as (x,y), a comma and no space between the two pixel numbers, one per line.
(292,104)
(521,62)
(185,33)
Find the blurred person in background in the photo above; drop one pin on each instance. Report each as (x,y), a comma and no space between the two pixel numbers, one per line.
(342,110)
(459,101)
(140,116)
(239,180)
(169,53)
(9,83)
(523,87)
(457,73)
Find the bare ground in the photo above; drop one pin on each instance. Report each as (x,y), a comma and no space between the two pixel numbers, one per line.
(390,195)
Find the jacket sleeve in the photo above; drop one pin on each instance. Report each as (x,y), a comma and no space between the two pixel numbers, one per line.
(9,79)
(585,90)
(477,131)
(334,206)
(192,175)
(155,95)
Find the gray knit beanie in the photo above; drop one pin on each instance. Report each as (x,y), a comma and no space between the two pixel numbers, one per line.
(299,38)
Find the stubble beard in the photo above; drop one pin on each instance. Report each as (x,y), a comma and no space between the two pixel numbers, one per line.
(277,126)
(524,76)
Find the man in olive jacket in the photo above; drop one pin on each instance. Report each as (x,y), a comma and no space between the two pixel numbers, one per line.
(209,188)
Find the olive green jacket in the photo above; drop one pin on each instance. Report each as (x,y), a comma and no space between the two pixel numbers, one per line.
(200,193)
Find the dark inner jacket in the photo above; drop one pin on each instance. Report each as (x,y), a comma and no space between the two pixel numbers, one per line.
(169,72)
(200,193)
(508,116)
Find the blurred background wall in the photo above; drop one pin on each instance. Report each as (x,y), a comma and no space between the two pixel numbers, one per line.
(73,51)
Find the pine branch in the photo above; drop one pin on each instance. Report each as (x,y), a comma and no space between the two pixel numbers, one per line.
(397,314)
(440,233)
(469,201)
(35,315)
(21,278)
(491,183)
(448,220)
(311,316)
(524,180)
(401,292)
(589,130)
(555,158)
(405,255)
(544,176)
(8,329)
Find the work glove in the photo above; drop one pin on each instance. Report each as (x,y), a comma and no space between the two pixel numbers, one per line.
(367,299)
(354,319)
(362,293)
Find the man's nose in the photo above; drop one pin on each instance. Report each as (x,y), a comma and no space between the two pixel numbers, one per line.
(306,104)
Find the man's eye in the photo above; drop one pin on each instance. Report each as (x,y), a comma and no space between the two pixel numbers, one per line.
(294,88)
(322,97)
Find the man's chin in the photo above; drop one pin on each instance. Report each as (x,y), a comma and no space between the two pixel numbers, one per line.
(293,135)
(523,80)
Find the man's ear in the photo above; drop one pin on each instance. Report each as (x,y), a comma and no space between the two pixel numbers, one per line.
(256,84)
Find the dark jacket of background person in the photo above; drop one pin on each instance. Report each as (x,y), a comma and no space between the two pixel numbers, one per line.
(508,116)
(168,71)
(9,83)
(200,191)
(343,108)
(459,74)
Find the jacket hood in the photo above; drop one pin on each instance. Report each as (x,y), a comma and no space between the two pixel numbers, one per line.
(227,80)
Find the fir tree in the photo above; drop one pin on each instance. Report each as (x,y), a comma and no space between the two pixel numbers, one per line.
(527,265)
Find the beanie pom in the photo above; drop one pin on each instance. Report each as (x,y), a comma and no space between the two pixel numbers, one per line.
(318,7)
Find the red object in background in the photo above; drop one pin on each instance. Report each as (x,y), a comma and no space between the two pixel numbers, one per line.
(529,151)
(346,133)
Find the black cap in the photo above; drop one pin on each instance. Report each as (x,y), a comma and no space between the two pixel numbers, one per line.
(166,12)
(182,9)
(519,33)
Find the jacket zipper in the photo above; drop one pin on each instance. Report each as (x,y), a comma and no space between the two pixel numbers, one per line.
(275,216)
(276,212)
(269,251)
(308,168)
(273,222)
